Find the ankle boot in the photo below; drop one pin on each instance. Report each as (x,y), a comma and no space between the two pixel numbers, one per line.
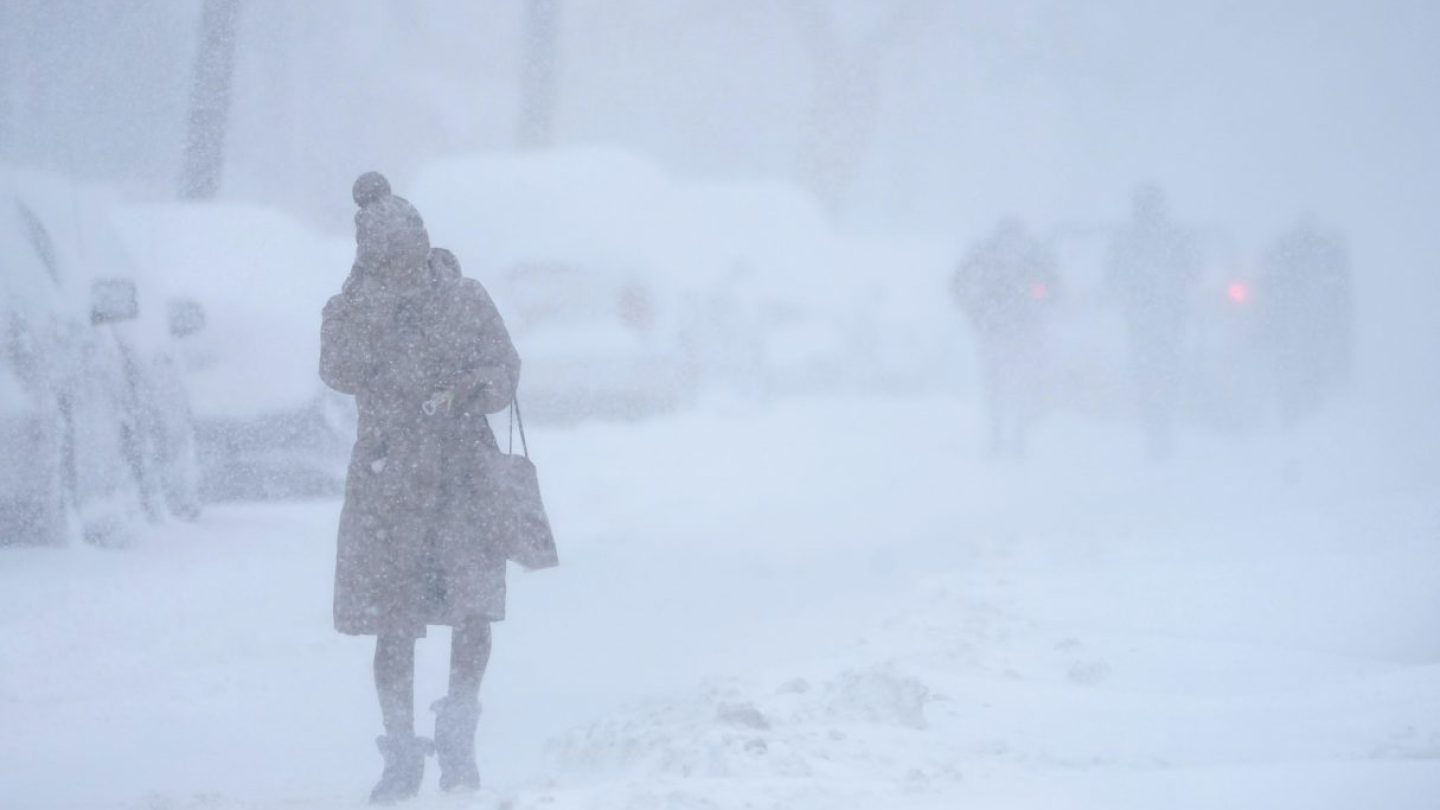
(404,768)
(455,722)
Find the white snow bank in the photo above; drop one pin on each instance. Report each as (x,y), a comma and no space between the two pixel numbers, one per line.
(910,628)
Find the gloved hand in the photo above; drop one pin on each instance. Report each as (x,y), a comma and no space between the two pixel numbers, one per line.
(464,388)
(440,401)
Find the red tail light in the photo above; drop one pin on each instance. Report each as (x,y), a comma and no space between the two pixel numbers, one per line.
(1039,290)
(1238,292)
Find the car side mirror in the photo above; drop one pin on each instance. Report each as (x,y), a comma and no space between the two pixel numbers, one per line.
(187,317)
(113,300)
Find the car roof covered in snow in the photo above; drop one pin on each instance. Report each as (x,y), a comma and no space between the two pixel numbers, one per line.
(262,278)
(585,207)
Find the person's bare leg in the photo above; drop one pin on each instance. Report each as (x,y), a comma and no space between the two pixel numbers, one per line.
(404,753)
(469,656)
(395,684)
(457,715)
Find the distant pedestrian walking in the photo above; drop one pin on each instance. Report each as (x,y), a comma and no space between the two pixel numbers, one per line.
(1153,268)
(1308,331)
(1004,286)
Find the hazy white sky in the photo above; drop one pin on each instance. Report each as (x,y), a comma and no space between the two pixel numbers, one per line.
(1251,110)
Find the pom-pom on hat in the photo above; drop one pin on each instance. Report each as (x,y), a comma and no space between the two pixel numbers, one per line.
(369,187)
(388,229)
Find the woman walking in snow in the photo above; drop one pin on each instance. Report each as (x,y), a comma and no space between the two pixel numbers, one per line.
(427,356)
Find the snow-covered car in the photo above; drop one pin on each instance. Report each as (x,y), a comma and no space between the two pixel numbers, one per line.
(93,418)
(770,288)
(628,292)
(571,245)
(266,427)
(783,302)
(593,343)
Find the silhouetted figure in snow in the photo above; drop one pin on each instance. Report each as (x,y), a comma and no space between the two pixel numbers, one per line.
(1304,296)
(1153,268)
(1004,285)
(426,356)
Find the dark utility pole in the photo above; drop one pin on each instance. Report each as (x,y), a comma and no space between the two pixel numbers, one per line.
(538,72)
(210,100)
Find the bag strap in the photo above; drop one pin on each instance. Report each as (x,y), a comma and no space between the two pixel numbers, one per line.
(516,418)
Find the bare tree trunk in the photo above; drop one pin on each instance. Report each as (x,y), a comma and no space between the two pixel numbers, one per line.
(210,100)
(847,95)
(538,73)
(844,112)
(12,56)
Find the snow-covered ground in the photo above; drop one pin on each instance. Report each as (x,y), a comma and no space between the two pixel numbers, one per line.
(822,604)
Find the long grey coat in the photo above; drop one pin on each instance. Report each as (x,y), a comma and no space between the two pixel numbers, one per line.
(413,545)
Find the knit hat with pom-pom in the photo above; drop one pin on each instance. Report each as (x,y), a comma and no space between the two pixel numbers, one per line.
(388,229)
